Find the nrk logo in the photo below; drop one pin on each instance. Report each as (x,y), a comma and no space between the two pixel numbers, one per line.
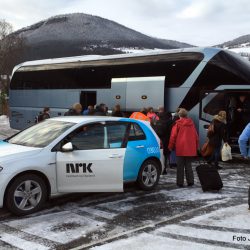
(76,168)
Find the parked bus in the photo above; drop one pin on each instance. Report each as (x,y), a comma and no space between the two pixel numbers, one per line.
(202,80)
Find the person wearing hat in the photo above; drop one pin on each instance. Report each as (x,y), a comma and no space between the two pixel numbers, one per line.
(216,135)
(184,140)
(75,110)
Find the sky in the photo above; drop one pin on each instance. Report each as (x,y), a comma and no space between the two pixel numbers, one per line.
(198,22)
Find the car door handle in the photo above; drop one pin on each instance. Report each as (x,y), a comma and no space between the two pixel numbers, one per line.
(140,146)
(115,156)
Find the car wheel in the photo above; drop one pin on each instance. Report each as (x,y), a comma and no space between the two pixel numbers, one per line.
(26,194)
(149,175)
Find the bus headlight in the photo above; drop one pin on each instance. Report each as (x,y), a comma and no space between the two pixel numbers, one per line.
(1,168)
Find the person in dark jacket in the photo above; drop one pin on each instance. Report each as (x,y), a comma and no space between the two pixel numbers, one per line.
(163,127)
(216,135)
(242,112)
(43,115)
(117,111)
(75,110)
(184,139)
(101,110)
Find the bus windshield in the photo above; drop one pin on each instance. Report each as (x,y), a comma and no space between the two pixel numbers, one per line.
(41,134)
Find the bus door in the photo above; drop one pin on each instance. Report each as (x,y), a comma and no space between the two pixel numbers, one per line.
(87,98)
(211,102)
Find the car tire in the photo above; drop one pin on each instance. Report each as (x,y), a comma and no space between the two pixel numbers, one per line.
(26,194)
(149,175)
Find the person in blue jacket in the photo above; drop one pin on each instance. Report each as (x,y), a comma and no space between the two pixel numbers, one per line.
(244,141)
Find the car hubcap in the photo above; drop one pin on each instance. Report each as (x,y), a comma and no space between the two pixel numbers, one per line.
(27,195)
(149,175)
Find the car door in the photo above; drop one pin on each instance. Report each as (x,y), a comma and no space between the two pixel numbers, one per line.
(136,152)
(96,163)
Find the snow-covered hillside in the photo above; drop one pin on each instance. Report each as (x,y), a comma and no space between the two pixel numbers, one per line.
(240,45)
(82,34)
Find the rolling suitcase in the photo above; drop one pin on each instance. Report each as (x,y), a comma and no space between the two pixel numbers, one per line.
(209,177)
(249,198)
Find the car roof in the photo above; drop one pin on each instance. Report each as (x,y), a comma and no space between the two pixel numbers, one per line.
(82,119)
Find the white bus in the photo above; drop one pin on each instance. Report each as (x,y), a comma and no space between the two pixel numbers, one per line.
(202,80)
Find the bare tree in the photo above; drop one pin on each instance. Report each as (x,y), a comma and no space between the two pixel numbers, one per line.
(11,48)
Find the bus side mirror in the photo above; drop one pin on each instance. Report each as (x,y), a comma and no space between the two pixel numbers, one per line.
(68,147)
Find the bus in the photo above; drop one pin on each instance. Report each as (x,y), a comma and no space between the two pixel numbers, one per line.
(202,80)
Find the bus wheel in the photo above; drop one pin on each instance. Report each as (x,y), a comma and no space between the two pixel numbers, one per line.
(149,175)
(26,194)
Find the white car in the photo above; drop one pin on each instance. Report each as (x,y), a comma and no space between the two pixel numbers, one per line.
(76,154)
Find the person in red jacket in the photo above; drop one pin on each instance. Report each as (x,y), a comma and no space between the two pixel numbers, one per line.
(184,139)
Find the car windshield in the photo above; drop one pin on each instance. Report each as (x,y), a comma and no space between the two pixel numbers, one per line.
(41,134)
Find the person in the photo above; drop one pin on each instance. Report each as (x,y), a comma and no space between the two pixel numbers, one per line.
(242,112)
(100,110)
(117,111)
(172,154)
(216,134)
(142,115)
(244,139)
(75,110)
(89,110)
(184,139)
(162,127)
(151,114)
(45,114)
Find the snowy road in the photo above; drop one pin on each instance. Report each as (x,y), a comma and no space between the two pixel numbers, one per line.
(166,218)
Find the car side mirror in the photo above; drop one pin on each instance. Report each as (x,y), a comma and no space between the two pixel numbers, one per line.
(68,147)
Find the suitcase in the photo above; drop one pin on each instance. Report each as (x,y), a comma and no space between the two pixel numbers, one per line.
(249,198)
(209,177)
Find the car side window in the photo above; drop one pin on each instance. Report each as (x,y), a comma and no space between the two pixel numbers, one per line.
(116,135)
(87,137)
(136,133)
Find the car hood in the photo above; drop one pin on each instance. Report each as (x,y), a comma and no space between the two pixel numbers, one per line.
(13,152)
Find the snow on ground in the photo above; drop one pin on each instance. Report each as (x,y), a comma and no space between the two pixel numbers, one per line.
(21,243)
(148,242)
(5,130)
(61,227)
(241,50)
(231,217)
(197,194)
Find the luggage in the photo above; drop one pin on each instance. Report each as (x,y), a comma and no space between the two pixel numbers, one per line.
(249,198)
(172,158)
(207,149)
(209,177)
(226,154)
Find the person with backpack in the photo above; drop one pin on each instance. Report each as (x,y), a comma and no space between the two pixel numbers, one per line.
(216,133)
(184,139)
(45,114)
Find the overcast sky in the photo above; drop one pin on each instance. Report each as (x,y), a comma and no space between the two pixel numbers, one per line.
(199,22)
